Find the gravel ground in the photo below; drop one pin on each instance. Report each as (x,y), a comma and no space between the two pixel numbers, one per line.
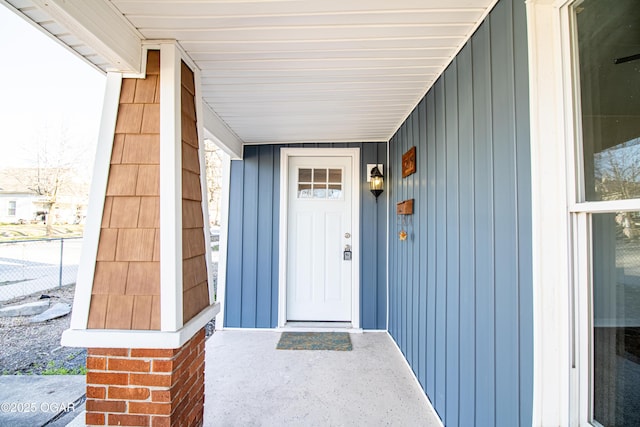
(34,348)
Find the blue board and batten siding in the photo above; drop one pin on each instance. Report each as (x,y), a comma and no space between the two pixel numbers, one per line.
(251,293)
(460,297)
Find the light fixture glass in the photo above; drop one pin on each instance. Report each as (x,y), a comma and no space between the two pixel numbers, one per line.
(376,184)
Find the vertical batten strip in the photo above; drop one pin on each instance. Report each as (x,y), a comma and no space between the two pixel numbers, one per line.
(86,268)
(170,189)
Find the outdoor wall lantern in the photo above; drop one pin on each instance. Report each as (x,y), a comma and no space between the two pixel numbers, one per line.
(376,182)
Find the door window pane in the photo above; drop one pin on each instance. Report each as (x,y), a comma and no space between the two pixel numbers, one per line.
(319,175)
(335,176)
(320,183)
(304,175)
(304,191)
(616,318)
(608,34)
(335,191)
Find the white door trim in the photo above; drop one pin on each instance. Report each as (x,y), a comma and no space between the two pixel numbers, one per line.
(285,154)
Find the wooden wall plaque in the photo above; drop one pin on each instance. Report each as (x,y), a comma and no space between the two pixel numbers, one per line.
(405,207)
(409,162)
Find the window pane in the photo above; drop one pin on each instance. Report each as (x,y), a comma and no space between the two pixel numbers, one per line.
(304,191)
(335,191)
(616,319)
(608,42)
(319,191)
(335,175)
(304,175)
(319,175)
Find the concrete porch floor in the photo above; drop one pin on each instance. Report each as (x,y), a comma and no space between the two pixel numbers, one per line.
(250,383)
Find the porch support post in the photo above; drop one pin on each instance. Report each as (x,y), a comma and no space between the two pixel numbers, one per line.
(143,296)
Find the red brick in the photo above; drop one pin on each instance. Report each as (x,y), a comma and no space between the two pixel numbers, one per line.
(186,388)
(199,336)
(128,365)
(96,392)
(160,395)
(96,363)
(197,365)
(159,421)
(155,380)
(129,393)
(152,352)
(183,363)
(129,420)
(106,405)
(109,378)
(196,413)
(149,408)
(108,352)
(94,419)
(163,365)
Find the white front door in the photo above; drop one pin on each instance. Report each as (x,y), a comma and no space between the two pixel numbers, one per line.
(319,274)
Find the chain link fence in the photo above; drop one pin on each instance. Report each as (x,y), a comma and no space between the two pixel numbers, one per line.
(31,266)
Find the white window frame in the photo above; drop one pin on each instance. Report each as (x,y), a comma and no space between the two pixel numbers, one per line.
(561,222)
(12,208)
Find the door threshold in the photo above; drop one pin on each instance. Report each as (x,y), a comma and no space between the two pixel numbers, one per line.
(320,327)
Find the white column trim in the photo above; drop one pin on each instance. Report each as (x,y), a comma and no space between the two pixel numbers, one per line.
(171,316)
(203,181)
(119,338)
(551,240)
(388,225)
(86,268)
(285,153)
(224,237)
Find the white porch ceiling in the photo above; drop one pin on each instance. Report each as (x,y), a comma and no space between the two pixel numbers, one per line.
(280,71)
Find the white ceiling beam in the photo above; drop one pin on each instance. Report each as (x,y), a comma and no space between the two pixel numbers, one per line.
(98,25)
(217,130)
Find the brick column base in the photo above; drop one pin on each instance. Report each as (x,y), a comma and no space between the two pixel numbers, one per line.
(146,387)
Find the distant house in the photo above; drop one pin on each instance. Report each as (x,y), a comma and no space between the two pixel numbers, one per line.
(17,207)
(21,203)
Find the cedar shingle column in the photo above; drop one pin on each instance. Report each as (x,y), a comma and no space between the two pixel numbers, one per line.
(143,299)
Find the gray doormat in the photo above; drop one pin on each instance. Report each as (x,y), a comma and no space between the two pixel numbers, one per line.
(338,341)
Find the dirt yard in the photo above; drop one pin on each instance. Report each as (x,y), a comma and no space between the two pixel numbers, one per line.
(34,348)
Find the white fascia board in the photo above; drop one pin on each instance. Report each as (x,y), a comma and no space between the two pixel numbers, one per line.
(115,338)
(98,25)
(218,131)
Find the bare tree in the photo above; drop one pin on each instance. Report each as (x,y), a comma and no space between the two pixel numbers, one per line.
(213,160)
(54,173)
(618,178)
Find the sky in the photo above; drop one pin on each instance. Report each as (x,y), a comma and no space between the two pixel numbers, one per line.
(47,95)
